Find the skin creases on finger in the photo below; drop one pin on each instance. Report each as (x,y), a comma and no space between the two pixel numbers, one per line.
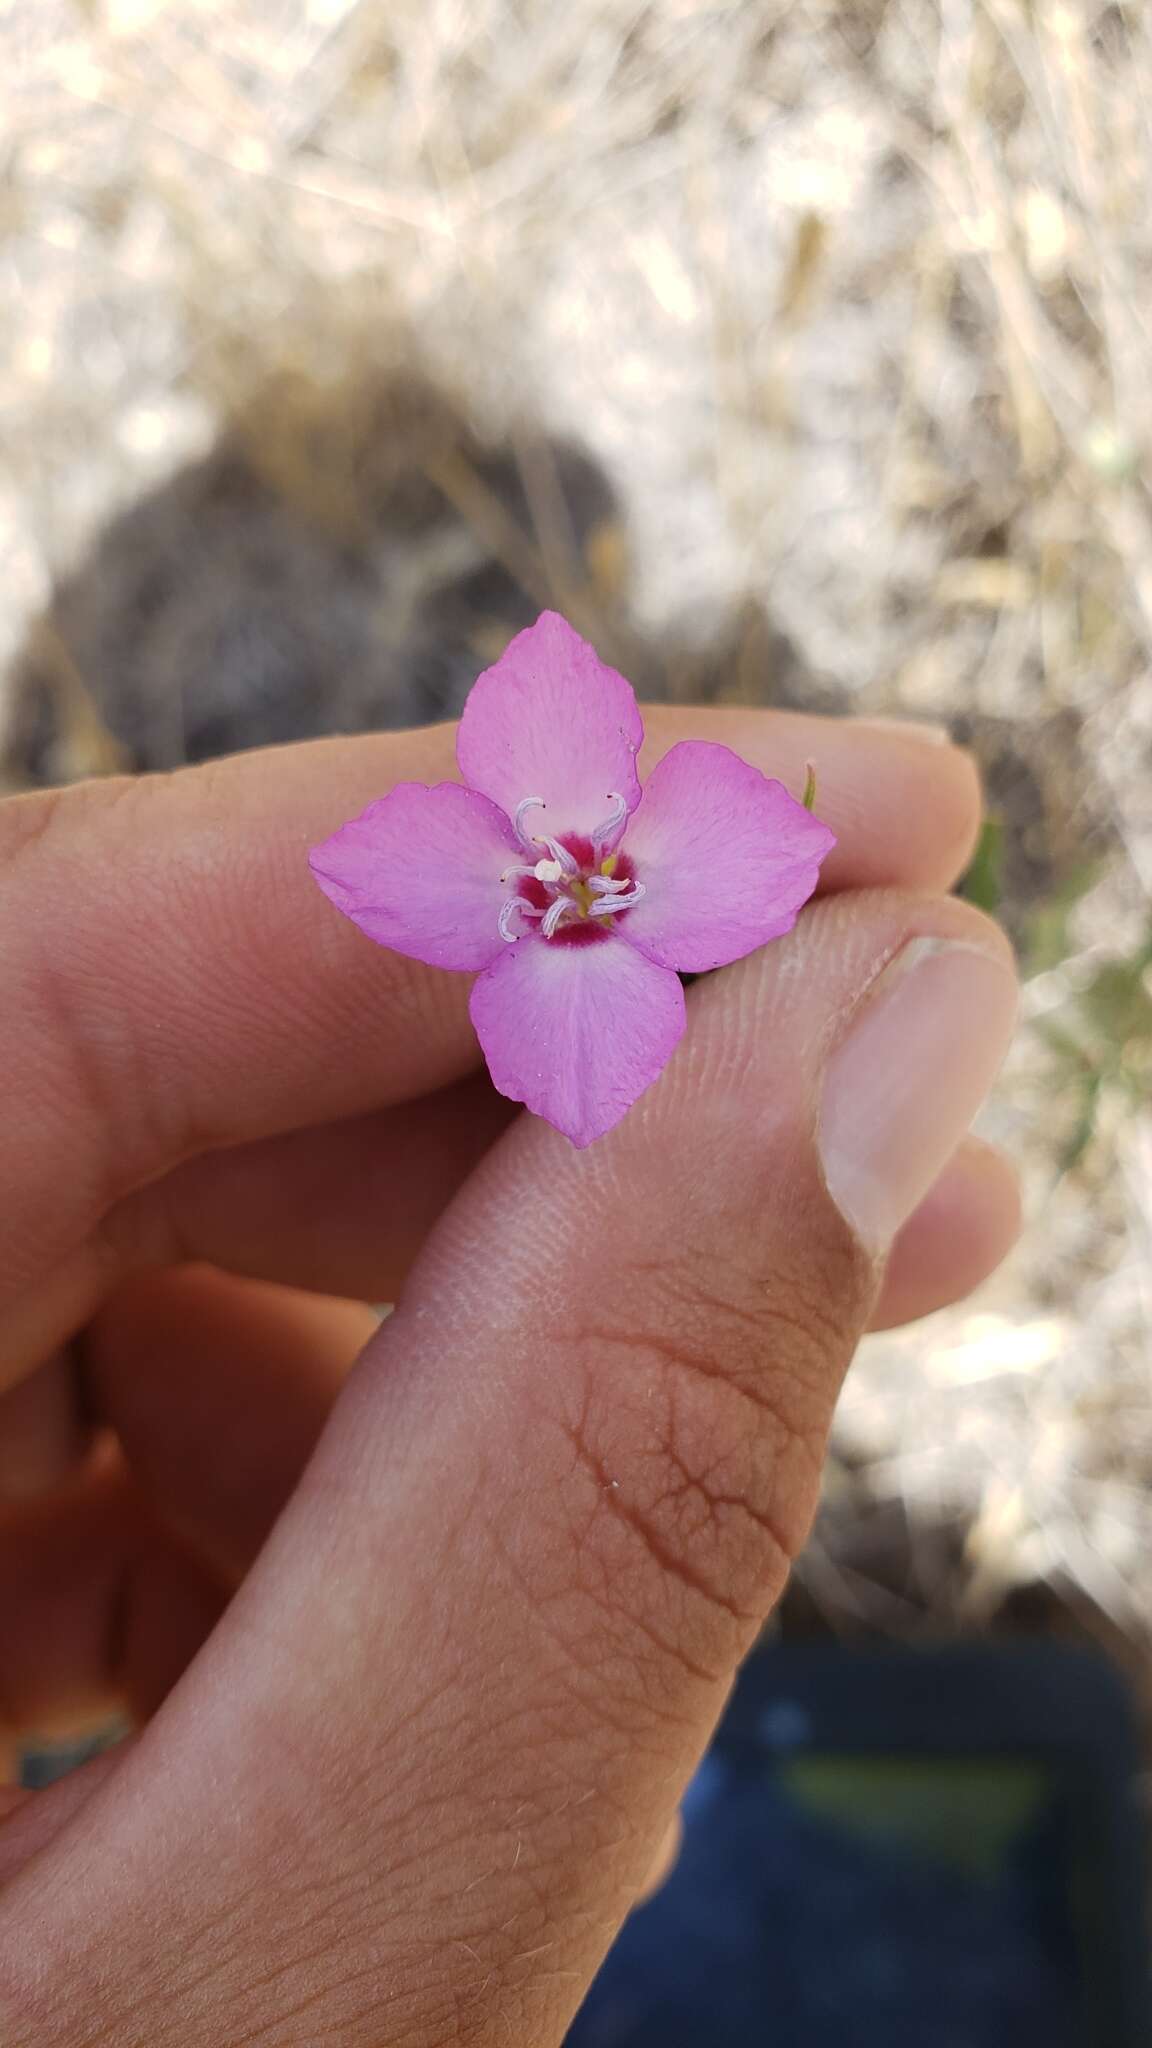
(218,1387)
(345,1210)
(500,1615)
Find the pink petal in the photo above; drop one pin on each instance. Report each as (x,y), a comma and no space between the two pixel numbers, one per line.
(420,871)
(726,857)
(550,720)
(577,1032)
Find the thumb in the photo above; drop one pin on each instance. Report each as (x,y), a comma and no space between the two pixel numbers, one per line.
(417,1778)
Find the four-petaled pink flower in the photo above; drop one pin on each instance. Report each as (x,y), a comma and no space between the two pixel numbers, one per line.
(576,895)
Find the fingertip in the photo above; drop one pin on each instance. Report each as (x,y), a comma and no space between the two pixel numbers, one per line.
(910,815)
(962,1231)
(904,801)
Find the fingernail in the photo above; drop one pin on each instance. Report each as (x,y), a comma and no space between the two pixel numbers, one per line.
(902,1087)
(912,729)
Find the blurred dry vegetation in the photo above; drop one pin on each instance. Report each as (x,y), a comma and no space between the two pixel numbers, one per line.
(848,308)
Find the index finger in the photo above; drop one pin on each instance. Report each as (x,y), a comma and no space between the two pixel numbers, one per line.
(174,981)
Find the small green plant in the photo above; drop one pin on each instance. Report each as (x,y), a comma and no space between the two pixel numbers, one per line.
(1104,1043)
(983,881)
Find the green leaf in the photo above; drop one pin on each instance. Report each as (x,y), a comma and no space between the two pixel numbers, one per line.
(983,884)
(1047,937)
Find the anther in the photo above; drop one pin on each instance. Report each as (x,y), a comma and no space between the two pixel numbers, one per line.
(607,906)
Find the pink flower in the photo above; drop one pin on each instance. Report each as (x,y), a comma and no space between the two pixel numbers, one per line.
(576,896)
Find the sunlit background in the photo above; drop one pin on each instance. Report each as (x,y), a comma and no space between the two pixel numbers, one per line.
(847,308)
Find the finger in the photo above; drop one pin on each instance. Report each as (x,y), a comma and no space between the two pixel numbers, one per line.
(166,1345)
(502,1611)
(664,1862)
(29,1820)
(100,1608)
(43,1432)
(346,1209)
(343,1209)
(174,981)
(217,1390)
(966,1224)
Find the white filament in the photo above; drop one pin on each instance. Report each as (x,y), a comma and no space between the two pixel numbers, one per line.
(526,803)
(608,830)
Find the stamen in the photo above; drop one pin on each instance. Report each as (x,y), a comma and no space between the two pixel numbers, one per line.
(572,892)
(508,910)
(568,864)
(609,830)
(607,906)
(526,803)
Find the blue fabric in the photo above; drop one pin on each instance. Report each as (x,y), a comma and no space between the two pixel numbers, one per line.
(783,1929)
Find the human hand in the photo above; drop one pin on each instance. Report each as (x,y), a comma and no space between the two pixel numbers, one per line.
(423,1702)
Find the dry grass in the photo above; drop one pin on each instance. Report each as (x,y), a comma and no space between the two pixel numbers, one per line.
(852,301)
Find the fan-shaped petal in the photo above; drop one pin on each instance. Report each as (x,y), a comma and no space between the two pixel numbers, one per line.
(727,858)
(551,720)
(420,871)
(577,1032)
